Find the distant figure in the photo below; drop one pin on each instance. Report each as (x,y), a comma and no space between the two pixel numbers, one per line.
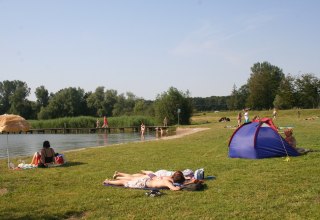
(161,132)
(246,115)
(98,124)
(105,122)
(256,118)
(290,139)
(224,119)
(299,114)
(142,129)
(165,122)
(239,118)
(274,113)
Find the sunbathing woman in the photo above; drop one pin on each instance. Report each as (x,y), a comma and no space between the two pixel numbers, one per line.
(188,174)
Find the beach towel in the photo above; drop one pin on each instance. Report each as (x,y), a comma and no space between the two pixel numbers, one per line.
(145,188)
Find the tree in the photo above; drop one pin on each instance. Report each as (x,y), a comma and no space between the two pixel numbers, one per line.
(42,96)
(308,89)
(139,107)
(263,85)
(243,93)
(285,99)
(96,102)
(65,103)
(110,98)
(232,102)
(168,103)
(13,98)
(124,104)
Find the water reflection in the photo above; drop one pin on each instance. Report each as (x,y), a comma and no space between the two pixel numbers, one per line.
(27,144)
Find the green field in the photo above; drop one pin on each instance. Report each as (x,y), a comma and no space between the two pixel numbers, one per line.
(243,188)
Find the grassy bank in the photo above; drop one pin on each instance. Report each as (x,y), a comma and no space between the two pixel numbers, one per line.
(243,189)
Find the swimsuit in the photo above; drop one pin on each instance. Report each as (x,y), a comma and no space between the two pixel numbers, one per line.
(48,159)
(138,183)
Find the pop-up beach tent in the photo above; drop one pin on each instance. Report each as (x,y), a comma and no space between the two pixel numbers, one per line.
(259,139)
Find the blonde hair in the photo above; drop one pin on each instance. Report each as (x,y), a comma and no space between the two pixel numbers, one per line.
(288,131)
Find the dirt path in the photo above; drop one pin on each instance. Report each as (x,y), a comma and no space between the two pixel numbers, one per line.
(180,132)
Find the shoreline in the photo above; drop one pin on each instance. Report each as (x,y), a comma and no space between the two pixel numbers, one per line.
(180,132)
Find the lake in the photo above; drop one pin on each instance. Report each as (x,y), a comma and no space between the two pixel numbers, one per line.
(28,144)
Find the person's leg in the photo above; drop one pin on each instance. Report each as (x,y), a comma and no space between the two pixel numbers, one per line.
(115,182)
(119,175)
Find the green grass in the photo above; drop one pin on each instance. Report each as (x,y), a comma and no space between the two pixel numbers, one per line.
(243,189)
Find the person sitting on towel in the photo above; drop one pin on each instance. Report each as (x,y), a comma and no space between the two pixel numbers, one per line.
(47,155)
(292,141)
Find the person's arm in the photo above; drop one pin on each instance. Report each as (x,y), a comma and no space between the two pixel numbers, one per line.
(170,185)
(53,155)
(42,158)
(192,181)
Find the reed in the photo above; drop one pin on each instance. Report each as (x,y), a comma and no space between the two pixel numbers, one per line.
(90,122)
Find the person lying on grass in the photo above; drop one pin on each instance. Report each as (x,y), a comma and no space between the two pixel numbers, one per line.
(187,173)
(151,181)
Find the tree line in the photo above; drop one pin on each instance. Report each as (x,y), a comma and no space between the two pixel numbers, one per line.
(72,102)
(267,87)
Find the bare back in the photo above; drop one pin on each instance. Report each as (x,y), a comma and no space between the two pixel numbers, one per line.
(162,182)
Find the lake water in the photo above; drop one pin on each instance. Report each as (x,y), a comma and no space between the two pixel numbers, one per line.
(28,144)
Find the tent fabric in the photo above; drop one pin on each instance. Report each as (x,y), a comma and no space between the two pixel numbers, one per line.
(13,123)
(259,139)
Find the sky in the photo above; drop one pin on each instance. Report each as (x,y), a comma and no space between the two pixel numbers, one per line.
(147,46)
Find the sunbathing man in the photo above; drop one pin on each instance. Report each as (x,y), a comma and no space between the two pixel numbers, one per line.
(150,181)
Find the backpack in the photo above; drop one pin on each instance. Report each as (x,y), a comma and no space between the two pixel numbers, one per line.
(199,174)
(60,159)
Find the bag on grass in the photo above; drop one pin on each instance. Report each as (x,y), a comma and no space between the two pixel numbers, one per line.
(60,159)
(199,174)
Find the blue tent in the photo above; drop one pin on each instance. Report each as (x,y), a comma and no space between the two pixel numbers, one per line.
(259,139)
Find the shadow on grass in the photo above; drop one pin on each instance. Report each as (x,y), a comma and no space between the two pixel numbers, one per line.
(67,215)
(71,164)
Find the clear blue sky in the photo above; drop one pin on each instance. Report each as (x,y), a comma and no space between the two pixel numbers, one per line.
(145,46)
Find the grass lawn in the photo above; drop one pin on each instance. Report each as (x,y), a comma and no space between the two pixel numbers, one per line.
(243,188)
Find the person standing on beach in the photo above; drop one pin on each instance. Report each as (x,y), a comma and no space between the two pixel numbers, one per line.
(165,122)
(274,113)
(246,115)
(239,118)
(105,122)
(142,130)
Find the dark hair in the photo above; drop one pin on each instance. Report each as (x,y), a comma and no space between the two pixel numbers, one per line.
(46,144)
(178,177)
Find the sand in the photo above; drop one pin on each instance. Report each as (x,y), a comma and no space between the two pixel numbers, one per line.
(181,132)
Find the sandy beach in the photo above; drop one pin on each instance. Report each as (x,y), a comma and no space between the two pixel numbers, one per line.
(181,132)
